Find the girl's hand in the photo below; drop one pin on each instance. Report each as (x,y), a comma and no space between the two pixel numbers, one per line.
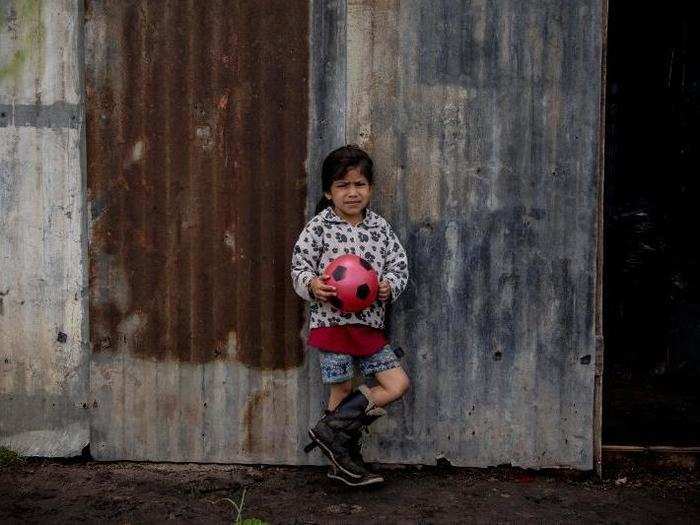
(320,290)
(384,291)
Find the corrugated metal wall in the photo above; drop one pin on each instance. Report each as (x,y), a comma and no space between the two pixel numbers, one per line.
(482,118)
(197,128)
(43,350)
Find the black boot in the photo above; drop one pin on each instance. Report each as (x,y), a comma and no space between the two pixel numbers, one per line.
(355,447)
(335,431)
(355,452)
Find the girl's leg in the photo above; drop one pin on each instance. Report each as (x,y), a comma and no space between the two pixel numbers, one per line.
(393,383)
(338,392)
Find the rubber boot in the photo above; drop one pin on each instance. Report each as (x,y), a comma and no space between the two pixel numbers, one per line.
(355,451)
(355,445)
(335,431)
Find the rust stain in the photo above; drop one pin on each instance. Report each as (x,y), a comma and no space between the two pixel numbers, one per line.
(196,141)
(253,420)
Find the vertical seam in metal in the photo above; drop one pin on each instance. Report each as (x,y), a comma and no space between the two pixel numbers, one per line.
(85,344)
(600,245)
(345,79)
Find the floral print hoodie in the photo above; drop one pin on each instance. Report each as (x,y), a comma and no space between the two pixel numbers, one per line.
(326,237)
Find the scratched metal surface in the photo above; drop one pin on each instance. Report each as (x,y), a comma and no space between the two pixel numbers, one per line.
(43,343)
(197,120)
(483,120)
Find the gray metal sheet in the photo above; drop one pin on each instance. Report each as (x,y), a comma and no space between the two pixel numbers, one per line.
(483,120)
(43,339)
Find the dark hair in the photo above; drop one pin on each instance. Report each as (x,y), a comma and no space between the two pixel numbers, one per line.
(337,164)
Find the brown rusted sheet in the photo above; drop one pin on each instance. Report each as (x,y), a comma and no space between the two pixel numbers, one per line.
(196,141)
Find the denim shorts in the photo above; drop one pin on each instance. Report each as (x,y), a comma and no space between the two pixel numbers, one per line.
(337,368)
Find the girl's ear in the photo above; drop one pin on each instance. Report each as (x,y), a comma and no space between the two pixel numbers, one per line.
(328,196)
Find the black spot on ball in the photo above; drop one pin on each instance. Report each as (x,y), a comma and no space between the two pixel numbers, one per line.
(365,264)
(339,273)
(336,302)
(362,291)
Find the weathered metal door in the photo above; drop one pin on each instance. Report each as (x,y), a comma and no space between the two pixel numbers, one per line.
(196,142)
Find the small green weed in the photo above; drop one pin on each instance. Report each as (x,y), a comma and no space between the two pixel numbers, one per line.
(239,511)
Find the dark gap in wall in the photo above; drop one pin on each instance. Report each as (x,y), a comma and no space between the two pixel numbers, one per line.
(652,253)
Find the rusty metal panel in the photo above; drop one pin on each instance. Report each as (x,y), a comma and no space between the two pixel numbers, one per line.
(483,120)
(43,350)
(197,120)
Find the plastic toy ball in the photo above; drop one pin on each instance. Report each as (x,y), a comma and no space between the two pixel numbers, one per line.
(355,281)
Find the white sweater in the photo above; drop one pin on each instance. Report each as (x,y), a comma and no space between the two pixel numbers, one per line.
(326,237)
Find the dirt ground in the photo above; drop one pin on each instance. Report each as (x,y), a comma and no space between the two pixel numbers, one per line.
(72,490)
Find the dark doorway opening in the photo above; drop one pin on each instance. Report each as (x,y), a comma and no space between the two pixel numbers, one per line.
(651,392)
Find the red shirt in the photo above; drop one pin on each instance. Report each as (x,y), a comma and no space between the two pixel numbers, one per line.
(353,339)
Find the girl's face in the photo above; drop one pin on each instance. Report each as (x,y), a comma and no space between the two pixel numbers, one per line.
(350,195)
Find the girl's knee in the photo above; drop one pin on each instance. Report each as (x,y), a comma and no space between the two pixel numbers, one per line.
(398,386)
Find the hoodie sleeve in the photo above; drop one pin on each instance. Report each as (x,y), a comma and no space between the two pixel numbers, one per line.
(396,266)
(306,258)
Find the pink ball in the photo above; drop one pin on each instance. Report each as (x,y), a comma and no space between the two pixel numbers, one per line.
(355,281)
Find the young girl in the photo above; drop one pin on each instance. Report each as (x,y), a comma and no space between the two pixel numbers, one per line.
(344,224)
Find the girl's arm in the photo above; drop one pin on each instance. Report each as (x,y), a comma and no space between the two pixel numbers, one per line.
(396,267)
(306,256)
